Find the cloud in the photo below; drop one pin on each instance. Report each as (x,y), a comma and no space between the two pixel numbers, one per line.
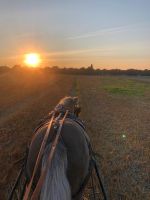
(79,51)
(100,32)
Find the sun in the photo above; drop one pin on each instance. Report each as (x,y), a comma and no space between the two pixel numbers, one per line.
(32,59)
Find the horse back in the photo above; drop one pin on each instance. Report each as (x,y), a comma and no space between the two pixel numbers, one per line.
(74,138)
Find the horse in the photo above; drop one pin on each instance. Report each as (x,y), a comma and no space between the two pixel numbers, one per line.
(70,164)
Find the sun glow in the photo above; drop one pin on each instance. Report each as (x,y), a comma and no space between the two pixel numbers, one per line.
(32,59)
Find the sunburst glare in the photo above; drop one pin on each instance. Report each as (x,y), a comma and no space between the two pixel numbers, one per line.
(32,59)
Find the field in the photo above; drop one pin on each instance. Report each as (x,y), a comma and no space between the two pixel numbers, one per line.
(116,111)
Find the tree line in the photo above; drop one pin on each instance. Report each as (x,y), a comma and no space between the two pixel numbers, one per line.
(83,71)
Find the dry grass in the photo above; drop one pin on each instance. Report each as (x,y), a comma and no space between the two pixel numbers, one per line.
(117,122)
(119,128)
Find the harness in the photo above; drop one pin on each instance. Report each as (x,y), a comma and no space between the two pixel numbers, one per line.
(77,120)
(93,165)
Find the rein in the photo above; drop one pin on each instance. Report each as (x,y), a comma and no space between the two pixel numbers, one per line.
(43,174)
(53,148)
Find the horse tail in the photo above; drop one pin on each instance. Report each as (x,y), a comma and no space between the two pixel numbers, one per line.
(56,185)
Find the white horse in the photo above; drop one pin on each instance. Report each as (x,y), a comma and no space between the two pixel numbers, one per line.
(70,164)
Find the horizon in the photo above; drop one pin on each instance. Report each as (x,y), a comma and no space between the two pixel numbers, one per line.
(111,35)
(70,67)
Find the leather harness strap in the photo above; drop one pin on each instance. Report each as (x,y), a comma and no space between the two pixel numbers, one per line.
(28,189)
(37,190)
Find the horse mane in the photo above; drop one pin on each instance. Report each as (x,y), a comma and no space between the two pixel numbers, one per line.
(56,185)
(67,103)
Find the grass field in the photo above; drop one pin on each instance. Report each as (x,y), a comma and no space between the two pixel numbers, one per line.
(116,111)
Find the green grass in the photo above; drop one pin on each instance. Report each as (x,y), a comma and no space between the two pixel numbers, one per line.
(125,87)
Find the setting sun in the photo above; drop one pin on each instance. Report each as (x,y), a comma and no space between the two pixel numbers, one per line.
(32,59)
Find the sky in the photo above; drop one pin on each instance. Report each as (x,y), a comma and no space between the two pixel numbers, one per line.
(76,33)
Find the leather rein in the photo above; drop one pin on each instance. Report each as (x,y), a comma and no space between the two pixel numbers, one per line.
(38,187)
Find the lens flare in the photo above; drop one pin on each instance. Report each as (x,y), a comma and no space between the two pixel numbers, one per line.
(123,136)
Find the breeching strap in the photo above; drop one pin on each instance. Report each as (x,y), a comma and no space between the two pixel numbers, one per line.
(28,189)
(37,190)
